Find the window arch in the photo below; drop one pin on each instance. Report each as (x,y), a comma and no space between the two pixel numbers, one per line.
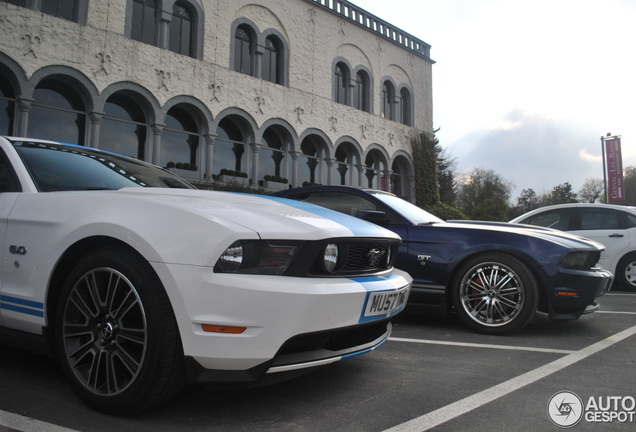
(171,25)
(124,127)
(67,9)
(144,21)
(7,106)
(181,29)
(57,113)
(404,107)
(72,10)
(400,179)
(388,100)
(272,61)
(346,156)
(244,50)
(375,170)
(312,165)
(229,148)
(362,91)
(273,157)
(180,140)
(341,83)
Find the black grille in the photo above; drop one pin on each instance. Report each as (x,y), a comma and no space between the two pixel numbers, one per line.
(365,257)
(313,346)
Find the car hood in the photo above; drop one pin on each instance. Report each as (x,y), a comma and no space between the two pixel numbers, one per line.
(266,215)
(566,239)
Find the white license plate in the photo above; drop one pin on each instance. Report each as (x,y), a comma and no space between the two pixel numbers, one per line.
(385,302)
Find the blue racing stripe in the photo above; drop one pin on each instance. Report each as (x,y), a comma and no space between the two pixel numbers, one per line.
(27,307)
(357,226)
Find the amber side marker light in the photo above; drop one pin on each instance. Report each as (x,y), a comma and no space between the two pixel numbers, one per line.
(211,328)
(567,293)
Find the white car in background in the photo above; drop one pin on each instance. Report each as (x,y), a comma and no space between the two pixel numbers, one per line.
(138,283)
(614,226)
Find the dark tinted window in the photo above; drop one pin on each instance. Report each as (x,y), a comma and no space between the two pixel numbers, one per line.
(558,219)
(57,168)
(338,201)
(630,220)
(599,219)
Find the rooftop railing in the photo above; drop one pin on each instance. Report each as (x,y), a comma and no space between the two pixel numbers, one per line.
(371,22)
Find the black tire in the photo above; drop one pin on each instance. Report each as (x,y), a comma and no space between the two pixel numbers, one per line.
(626,272)
(116,333)
(494,293)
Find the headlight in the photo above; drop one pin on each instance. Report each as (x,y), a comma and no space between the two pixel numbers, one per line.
(580,260)
(330,257)
(257,257)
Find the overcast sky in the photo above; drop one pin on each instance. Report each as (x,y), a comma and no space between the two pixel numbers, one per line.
(527,87)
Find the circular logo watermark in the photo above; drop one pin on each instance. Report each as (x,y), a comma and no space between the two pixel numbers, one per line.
(565,409)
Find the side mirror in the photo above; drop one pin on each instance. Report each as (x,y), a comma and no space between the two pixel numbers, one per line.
(374,216)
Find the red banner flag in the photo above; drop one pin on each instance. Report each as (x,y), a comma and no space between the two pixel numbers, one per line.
(614,158)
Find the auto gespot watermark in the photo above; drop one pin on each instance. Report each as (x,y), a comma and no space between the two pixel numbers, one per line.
(566,409)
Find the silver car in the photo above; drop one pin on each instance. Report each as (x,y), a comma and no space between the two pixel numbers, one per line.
(614,226)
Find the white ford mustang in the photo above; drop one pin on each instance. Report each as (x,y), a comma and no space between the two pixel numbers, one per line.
(139,283)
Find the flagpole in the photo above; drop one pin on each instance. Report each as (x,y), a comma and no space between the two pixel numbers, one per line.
(604,168)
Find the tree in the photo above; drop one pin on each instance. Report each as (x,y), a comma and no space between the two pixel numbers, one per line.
(629,179)
(562,194)
(427,193)
(491,209)
(526,201)
(593,190)
(446,176)
(479,185)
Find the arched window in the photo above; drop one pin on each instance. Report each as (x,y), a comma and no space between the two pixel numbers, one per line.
(144,21)
(181,30)
(361,92)
(243,51)
(229,148)
(66,9)
(345,165)
(388,100)
(180,141)
(57,113)
(311,164)
(375,168)
(7,106)
(272,157)
(272,61)
(341,84)
(400,182)
(405,107)
(124,128)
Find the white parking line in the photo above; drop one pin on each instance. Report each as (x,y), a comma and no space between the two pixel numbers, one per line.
(25,424)
(474,345)
(456,409)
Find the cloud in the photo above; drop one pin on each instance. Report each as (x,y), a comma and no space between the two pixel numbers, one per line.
(533,152)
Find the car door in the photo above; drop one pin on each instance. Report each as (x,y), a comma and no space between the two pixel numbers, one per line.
(9,186)
(606,226)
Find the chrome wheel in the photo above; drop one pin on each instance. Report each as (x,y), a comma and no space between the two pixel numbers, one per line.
(105,331)
(494,293)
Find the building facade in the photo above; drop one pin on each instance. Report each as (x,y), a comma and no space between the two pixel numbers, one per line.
(276,93)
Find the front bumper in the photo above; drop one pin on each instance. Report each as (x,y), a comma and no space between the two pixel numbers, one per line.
(576,291)
(290,323)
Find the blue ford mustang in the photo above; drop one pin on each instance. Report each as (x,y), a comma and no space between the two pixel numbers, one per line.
(494,275)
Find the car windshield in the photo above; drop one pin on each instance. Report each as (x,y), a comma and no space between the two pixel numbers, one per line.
(413,213)
(56,167)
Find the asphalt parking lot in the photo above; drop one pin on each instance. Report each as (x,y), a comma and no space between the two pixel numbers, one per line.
(433,374)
